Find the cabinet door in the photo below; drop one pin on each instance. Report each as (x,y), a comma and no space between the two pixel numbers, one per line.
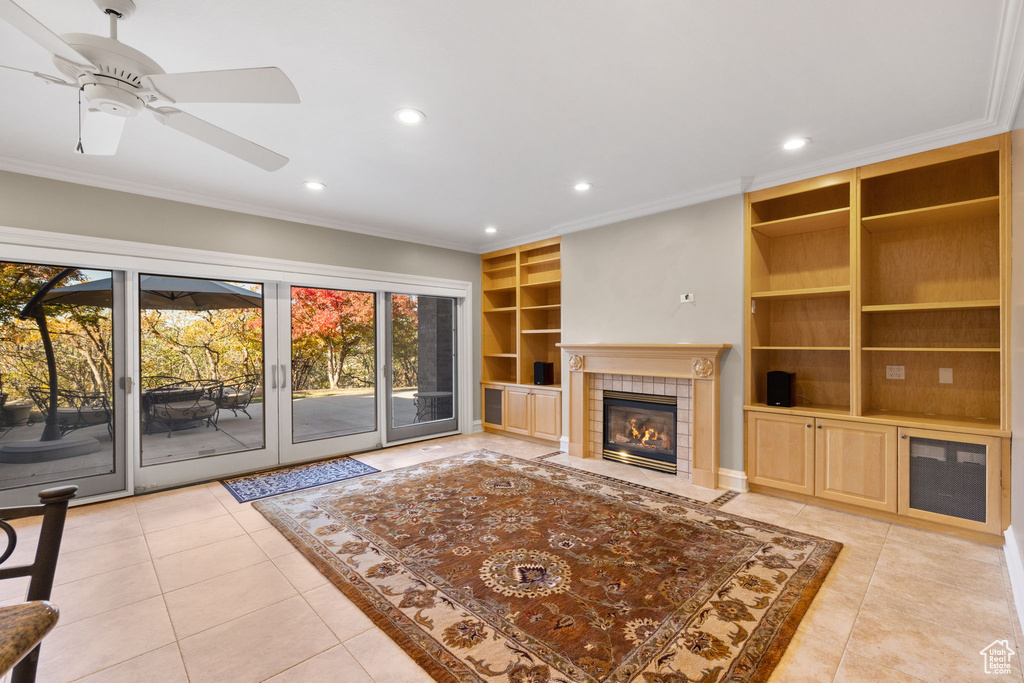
(517,410)
(856,463)
(493,402)
(951,478)
(781,451)
(547,414)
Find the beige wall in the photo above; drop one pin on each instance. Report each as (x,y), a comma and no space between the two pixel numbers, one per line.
(1017,342)
(42,204)
(621,284)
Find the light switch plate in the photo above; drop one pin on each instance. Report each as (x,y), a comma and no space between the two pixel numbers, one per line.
(894,372)
(945,375)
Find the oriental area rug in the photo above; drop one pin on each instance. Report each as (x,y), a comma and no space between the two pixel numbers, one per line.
(485,567)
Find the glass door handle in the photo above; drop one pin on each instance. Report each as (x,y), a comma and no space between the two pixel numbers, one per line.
(284,375)
(273,377)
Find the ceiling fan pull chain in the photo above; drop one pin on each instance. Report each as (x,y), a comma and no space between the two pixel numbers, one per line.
(79,148)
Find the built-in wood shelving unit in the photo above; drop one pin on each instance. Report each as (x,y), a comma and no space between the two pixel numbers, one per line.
(522,310)
(902,263)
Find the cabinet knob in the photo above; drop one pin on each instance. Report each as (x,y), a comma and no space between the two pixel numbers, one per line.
(808,425)
(903,436)
(819,426)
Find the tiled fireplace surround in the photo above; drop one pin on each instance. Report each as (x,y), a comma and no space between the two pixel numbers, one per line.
(641,384)
(690,370)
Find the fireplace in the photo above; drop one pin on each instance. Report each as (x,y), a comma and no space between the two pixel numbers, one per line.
(640,429)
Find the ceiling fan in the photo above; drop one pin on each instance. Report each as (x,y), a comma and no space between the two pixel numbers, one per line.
(118,82)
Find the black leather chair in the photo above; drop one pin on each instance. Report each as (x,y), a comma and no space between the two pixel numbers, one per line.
(54,508)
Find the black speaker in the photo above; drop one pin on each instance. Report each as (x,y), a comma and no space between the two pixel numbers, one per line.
(780,388)
(543,373)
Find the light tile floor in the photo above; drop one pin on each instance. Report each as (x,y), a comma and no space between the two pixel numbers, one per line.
(189,585)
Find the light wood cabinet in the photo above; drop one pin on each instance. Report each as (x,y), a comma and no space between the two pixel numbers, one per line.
(530,411)
(518,406)
(885,291)
(951,478)
(521,320)
(855,463)
(547,414)
(781,451)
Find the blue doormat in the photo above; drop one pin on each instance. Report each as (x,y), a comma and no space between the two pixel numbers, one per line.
(285,480)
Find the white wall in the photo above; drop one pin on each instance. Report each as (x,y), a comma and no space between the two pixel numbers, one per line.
(56,206)
(621,284)
(1017,343)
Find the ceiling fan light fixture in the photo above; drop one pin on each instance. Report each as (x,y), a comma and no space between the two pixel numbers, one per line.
(795,143)
(409,117)
(314,185)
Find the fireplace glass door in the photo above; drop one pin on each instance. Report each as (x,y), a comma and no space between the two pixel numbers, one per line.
(640,429)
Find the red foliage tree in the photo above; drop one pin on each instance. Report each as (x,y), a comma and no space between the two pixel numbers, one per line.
(332,323)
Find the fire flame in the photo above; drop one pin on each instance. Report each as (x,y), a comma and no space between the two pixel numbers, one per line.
(644,435)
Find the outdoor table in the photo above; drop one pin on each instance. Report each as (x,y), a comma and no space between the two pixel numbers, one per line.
(427,409)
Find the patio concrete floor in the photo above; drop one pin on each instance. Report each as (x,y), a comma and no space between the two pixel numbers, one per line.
(315,417)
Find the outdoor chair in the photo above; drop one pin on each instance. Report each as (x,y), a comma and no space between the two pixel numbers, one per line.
(157,381)
(236,394)
(53,507)
(181,405)
(75,410)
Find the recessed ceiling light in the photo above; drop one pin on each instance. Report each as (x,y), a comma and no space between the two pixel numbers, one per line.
(490,230)
(795,143)
(314,185)
(582,186)
(410,117)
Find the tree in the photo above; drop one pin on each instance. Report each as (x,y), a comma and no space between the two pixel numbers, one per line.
(329,326)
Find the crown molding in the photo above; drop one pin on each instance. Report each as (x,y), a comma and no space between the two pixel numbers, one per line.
(1007,85)
(54,172)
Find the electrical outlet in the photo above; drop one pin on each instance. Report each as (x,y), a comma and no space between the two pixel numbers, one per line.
(687,298)
(945,375)
(894,372)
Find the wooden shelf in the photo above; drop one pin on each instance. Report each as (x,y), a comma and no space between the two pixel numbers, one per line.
(932,306)
(806,293)
(499,268)
(961,349)
(971,210)
(546,259)
(823,220)
(806,409)
(505,309)
(549,307)
(500,355)
(800,348)
(507,288)
(541,331)
(549,284)
(932,419)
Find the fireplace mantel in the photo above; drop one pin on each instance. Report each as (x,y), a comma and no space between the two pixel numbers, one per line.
(697,362)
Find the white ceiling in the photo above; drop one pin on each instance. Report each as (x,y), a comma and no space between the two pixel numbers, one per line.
(659,103)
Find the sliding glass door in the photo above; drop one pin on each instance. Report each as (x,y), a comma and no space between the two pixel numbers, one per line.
(330,389)
(205,407)
(420,367)
(62,375)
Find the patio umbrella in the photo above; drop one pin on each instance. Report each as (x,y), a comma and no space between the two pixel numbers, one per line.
(161,292)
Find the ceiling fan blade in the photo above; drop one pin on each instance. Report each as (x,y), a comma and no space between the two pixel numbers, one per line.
(263,85)
(219,138)
(101,133)
(30,26)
